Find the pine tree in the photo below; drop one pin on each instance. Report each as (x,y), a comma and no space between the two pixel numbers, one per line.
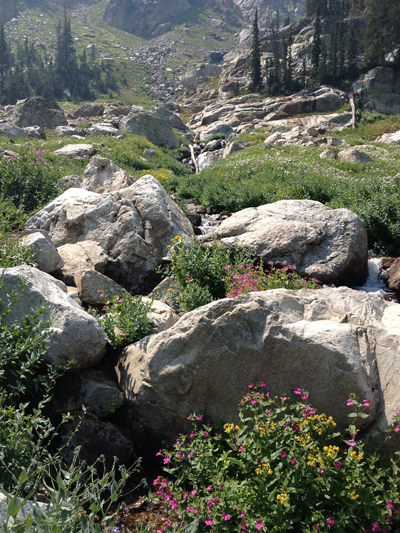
(255,58)
(5,59)
(316,45)
(341,49)
(352,50)
(322,65)
(333,55)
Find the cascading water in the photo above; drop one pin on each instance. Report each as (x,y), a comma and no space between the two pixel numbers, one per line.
(374,283)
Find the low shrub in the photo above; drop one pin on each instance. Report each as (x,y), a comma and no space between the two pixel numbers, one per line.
(13,253)
(282,468)
(28,182)
(205,273)
(124,319)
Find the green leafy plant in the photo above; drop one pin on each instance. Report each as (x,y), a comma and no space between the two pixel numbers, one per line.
(22,346)
(81,496)
(283,467)
(195,264)
(124,320)
(14,253)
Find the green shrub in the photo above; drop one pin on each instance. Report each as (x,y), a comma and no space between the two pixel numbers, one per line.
(207,273)
(81,495)
(28,182)
(283,468)
(22,345)
(124,320)
(194,264)
(13,253)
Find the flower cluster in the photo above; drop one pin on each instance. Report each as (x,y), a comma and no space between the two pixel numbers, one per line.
(251,278)
(278,464)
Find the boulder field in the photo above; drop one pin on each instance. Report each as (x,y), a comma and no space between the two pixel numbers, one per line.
(108,234)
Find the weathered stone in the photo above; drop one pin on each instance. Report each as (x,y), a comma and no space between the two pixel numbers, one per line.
(149,153)
(354,156)
(46,256)
(95,288)
(170,118)
(37,111)
(77,340)
(71,181)
(155,130)
(393,275)
(330,342)
(134,226)
(335,141)
(95,438)
(161,314)
(68,131)
(102,175)
(217,129)
(28,509)
(79,258)
(77,151)
(36,132)
(89,110)
(328,244)
(328,154)
(208,158)
(105,129)
(389,138)
(163,288)
(93,389)
(8,130)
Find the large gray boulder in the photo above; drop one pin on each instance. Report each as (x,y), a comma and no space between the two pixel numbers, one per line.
(68,131)
(77,340)
(105,129)
(328,244)
(89,110)
(330,342)
(355,156)
(38,111)
(102,175)
(8,130)
(134,226)
(379,91)
(155,130)
(77,151)
(170,118)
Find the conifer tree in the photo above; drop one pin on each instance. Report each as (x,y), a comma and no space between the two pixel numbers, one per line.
(316,45)
(322,66)
(352,50)
(255,57)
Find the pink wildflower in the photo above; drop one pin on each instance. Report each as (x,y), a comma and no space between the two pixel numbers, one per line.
(294,462)
(352,442)
(375,527)
(330,522)
(209,521)
(259,524)
(226,517)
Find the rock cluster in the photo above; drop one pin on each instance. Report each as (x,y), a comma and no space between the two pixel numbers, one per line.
(133,225)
